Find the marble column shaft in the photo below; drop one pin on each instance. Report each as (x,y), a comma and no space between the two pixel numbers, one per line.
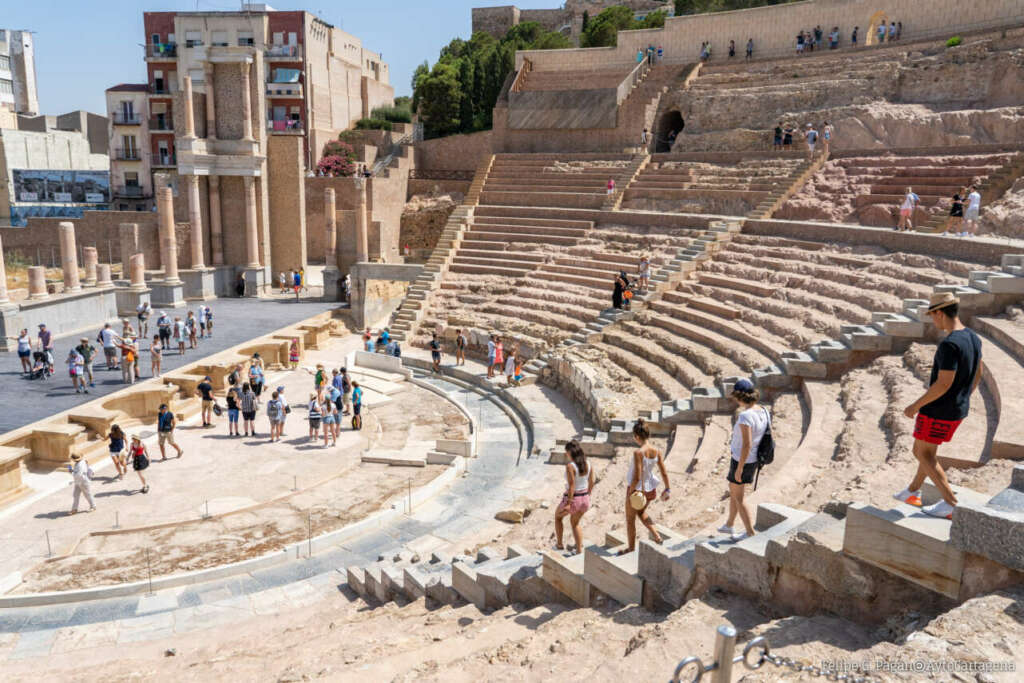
(168,239)
(69,256)
(216,237)
(330,223)
(252,241)
(195,219)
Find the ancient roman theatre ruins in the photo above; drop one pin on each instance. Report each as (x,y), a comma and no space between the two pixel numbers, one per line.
(422,546)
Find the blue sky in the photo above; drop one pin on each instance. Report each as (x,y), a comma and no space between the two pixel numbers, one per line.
(82,48)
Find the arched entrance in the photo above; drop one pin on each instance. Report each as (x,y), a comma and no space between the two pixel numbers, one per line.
(871,36)
(670,124)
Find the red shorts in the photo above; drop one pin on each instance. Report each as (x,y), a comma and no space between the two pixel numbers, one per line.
(934,431)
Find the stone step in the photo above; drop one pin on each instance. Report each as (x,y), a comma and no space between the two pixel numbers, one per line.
(864,338)
(525,230)
(393,458)
(565,574)
(897,325)
(616,575)
(464,580)
(743,564)
(667,570)
(516,580)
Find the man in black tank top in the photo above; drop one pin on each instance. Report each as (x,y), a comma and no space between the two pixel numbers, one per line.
(956,372)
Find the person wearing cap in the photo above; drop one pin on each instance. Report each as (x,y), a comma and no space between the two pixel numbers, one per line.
(163,327)
(812,139)
(108,338)
(956,372)
(275,413)
(88,353)
(165,423)
(139,457)
(75,363)
(205,390)
(142,312)
(81,475)
(751,425)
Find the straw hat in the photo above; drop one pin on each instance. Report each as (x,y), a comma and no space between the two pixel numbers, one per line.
(941,300)
(76,456)
(637,500)
(135,437)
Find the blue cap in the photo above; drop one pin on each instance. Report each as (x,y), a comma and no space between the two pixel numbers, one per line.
(743,385)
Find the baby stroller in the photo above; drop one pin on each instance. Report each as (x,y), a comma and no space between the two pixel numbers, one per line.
(42,365)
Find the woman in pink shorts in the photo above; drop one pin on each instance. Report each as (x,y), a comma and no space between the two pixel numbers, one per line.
(576,500)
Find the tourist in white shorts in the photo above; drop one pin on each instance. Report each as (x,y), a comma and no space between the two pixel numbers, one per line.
(971,213)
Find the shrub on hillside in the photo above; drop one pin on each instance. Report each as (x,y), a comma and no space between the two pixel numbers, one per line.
(394,114)
(335,166)
(954,41)
(373,124)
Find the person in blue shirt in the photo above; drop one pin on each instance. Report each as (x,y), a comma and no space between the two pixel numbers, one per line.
(165,431)
(357,406)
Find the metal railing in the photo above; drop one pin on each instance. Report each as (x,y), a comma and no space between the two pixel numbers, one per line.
(420,174)
(161,123)
(127,154)
(283,51)
(284,89)
(633,79)
(162,90)
(163,159)
(285,125)
(385,161)
(161,50)
(122,119)
(131,191)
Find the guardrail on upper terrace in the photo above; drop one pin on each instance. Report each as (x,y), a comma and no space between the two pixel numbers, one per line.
(520,80)
(635,78)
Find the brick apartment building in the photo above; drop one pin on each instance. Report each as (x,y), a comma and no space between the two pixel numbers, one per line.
(317,80)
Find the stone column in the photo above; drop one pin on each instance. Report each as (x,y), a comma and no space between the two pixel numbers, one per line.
(37,282)
(211,109)
(138,271)
(129,245)
(195,219)
(168,240)
(69,256)
(190,117)
(330,223)
(216,238)
(3,277)
(362,240)
(103,278)
(246,102)
(252,240)
(90,259)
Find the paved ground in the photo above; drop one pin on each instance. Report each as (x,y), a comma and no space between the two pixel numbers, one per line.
(23,401)
(494,480)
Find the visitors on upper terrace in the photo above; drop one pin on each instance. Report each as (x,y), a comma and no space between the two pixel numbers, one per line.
(881,32)
(892,31)
(619,289)
(826,136)
(579,478)
(818,35)
(777,139)
(972,212)
(853,36)
(752,423)
(956,212)
(732,49)
(956,372)
(800,43)
(833,38)
(642,485)
(750,49)
(812,139)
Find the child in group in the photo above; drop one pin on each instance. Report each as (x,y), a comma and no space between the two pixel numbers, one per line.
(644,273)
(140,460)
(627,296)
(293,353)
(517,378)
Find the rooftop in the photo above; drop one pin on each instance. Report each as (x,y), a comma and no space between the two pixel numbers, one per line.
(129,87)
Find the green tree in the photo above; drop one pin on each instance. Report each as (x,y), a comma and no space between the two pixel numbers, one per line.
(466,101)
(440,100)
(602,30)
(421,71)
(586,20)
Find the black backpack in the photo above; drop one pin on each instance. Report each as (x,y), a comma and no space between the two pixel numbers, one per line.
(398,350)
(765,449)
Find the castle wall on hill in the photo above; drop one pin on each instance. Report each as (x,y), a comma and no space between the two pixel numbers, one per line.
(774,29)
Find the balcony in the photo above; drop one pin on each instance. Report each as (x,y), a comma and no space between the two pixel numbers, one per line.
(121,118)
(127,155)
(284,90)
(159,160)
(164,123)
(162,91)
(131,192)
(159,51)
(284,53)
(286,126)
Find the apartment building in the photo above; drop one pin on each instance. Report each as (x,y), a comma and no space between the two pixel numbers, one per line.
(318,79)
(18,93)
(131,180)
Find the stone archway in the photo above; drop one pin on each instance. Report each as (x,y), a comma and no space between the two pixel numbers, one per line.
(670,124)
(871,35)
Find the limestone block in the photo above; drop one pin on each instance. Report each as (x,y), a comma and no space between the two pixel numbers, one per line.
(517,580)
(800,364)
(771,377)
(667,570)
(439,588)
(1009,260)
(1017,480)
(11,459)
(995,531)
(898,325)
(515,516)
(706,399)
(615,576)
(1004,283)
(864,338)
(356,579)
(905,542)
(393,458)
(565,574)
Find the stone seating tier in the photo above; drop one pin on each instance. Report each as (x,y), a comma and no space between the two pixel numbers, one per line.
(574,79)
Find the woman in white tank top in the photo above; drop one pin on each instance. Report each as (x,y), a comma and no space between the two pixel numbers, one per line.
(641,477)
(579,476)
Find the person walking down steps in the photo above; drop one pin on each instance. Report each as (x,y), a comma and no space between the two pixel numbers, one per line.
(642,485)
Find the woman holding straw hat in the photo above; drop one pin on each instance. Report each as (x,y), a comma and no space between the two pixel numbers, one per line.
(642,485)
(139,456)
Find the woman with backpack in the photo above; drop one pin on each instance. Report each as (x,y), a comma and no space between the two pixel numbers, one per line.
(752,424)
(314,416)
(275,413)
(642,485)
(579,477)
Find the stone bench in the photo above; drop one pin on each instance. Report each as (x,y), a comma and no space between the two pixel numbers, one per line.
(11,486)
(537,222)
(525,230)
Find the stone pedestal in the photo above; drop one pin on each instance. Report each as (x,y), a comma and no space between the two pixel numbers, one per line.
(199,284)
(103,277)
(137,271)
(37,282)
(129,298)
(90,259)
(333,280)
(164,294)
(255,280)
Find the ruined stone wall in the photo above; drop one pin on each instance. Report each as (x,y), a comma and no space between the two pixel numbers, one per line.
(375,94)
(495,20)
(287,202)
(232,204)
(436,186)
(453,153)
(423,220)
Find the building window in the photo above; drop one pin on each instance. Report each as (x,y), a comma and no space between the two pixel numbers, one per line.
(131,179)
(197,75)
(279,38)
(245,38)
(219,38)
(5,62)
(193,38)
